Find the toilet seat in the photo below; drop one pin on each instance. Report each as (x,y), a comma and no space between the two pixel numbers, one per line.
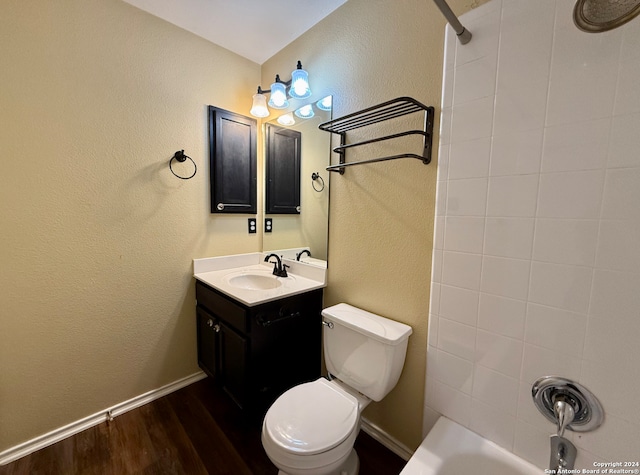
(312,418)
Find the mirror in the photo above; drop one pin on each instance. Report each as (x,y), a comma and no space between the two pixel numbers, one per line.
(295,166)
(283,146)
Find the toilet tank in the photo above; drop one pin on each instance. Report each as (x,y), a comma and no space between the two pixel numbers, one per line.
(364,350)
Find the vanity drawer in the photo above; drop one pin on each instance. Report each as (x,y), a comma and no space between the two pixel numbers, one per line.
(221,307)
(291,308)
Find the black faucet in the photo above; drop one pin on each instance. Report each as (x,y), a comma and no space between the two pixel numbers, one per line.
(279,270)
(299,255)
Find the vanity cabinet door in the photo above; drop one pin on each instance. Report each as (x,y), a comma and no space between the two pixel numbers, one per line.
(208,329)
(233,364)
(286,341)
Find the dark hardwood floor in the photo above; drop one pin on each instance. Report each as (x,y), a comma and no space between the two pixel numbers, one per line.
(196,430)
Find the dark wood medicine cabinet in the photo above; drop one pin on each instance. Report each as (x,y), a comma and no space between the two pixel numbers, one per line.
(233,162)
(233,165)
(283,148)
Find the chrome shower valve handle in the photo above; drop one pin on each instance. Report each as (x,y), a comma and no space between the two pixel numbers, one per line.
(555,397)
(564,414)
(570,406)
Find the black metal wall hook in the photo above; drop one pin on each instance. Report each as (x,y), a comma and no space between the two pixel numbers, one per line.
(181,157)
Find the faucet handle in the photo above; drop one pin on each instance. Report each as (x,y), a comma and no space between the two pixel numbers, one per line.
(276,269)
(564,414)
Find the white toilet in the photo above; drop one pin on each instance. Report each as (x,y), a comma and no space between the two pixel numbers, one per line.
(311,428)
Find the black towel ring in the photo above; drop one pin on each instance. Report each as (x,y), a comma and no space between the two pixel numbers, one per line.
(316,176)
(181,157)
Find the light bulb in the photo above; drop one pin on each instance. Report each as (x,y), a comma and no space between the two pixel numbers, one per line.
(324,104)
(259,107)
(305,112)
(286,120)
(300,84)
(278,99)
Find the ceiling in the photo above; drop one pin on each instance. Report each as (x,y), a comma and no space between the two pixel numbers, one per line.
(255,29)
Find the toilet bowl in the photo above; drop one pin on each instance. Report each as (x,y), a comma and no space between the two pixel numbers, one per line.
(311,428)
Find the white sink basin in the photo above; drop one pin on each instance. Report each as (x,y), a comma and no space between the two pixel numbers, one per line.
(249,280)
(258,281)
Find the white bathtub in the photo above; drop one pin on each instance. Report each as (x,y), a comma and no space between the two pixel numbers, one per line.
(450,449)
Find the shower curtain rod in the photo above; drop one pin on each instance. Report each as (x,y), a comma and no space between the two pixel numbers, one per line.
(464,35)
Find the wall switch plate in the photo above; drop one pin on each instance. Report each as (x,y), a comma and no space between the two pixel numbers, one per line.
(253,225)
(268,225)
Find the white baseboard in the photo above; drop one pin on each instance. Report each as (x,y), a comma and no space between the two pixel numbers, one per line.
(385,439)
(56,435)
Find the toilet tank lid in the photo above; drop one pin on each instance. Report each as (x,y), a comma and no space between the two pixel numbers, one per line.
(377,327)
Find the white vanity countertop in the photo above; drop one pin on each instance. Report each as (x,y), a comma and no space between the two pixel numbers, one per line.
(217,271)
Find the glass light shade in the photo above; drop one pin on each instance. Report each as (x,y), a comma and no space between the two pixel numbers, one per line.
(324,104)
(259,107)
(286,119)
(278,99)
(305,112)
(299,84)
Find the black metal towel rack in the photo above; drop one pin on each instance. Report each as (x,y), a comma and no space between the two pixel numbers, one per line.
(372,115)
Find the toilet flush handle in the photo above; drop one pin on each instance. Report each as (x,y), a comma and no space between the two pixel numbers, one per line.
(327,324)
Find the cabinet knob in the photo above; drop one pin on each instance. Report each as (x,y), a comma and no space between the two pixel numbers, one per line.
(214,326)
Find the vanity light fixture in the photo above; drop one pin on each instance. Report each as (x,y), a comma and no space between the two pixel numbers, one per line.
(286,120)
(278,99)
(259,107)
(300,83)
(305,112)
(324,103)
(298,88)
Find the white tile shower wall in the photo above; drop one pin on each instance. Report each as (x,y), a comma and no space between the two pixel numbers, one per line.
(537,240)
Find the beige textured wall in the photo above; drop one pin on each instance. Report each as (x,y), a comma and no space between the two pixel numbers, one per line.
(96,235)
(381,215)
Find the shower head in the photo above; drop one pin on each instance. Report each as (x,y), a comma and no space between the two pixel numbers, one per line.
(595,16)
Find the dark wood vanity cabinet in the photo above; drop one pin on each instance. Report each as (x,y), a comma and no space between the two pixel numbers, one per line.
(257,353)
